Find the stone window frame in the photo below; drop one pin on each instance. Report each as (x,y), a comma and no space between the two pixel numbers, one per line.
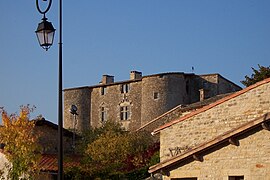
(156,95)
(125,110)
(103,113)
(125,113)
(103,90)
(125,88)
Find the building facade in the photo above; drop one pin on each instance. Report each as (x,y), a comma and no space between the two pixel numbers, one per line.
(227,139)
(140,99)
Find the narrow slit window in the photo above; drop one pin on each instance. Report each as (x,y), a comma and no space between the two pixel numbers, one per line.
(103,114)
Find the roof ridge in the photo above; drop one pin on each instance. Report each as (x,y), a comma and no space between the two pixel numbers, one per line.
(207,107)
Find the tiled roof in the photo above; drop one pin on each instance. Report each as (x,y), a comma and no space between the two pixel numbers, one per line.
(205,108)
(49,162)
(43,122)
(183,109)
(227,136)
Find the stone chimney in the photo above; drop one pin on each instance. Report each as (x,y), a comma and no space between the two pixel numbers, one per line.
(203,94)
(107,79)
(135,75)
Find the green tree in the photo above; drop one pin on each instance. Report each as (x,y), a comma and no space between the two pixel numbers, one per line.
(257,75)
(21,144)
(110,152)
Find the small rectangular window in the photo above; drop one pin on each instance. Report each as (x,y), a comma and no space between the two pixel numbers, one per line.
(124,112)
(236,177)
(103,90)
(156,95)
(124,88)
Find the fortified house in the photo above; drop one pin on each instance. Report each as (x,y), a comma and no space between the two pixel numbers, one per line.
(137,101)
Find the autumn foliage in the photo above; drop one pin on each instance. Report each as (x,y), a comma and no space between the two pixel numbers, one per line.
(113,153)
(20,143)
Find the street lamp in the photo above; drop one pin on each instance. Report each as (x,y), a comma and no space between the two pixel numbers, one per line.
(45,34)
(45,30)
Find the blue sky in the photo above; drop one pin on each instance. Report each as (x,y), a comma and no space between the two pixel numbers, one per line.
(116,36)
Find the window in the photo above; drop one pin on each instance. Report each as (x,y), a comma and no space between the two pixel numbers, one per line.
(156,95)
(103,90)
(124,88)
(236,177)
(124,112)
(103,114)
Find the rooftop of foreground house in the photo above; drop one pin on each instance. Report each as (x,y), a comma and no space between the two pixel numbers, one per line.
(207,107)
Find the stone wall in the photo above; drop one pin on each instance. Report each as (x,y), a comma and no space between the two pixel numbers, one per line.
(250,159)
(81,97)
(112,100)
(148,98)
(178,112)
(171,91)
(215,119)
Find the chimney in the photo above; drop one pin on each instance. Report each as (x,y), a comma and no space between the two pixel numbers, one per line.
(135,75)
(107,79)
(203,94)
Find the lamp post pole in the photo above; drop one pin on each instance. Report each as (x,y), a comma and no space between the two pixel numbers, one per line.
(60,99)
(45,34)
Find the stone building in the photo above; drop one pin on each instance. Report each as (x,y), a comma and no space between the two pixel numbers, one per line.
(140,99)
(228,139)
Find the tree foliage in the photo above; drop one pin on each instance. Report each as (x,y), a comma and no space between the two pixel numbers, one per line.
(20,143)
(257,75)
(112,153)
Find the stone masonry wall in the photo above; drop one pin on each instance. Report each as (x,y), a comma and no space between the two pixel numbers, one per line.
(81,97)
(148,98)
(250,159)
(171,92)
(216,120)
(177,113)
(112,100)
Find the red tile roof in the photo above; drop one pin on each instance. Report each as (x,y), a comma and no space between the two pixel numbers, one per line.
(205,108)
(49,162)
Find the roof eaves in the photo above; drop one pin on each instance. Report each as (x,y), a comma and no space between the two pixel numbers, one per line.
(207,107)
(216,141)
(186,108)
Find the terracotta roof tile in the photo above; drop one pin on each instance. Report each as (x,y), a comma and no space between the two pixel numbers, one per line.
(49,162)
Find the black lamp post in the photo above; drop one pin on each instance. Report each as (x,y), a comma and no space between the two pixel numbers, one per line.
(45,34)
